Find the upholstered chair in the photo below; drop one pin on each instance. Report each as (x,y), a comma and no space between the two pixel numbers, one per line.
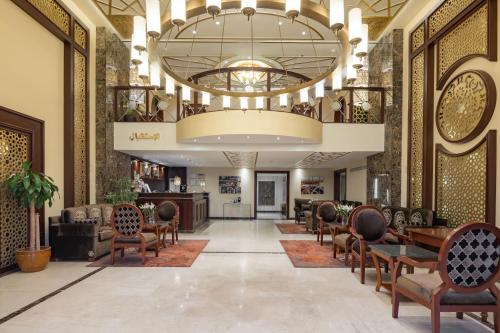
(325,214)
(463,279)
(128,221)
(168,211)
(395,235)
(368,226)
(342,238)
(300,207)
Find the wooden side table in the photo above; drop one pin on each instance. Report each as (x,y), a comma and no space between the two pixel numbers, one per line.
(429,236)
(158,229)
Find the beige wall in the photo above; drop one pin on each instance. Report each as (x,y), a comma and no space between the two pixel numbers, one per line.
(409,19)
(356,183)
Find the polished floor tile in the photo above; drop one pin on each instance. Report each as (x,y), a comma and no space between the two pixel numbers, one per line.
(243,282)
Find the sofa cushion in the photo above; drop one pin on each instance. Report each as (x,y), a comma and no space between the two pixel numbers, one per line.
(149,237)
(95,220)
(106,211)
(94,211)
(105,233)
(74,213)
(390,238)
(424,285)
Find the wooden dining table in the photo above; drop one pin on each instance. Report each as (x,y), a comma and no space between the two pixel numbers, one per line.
(429,236)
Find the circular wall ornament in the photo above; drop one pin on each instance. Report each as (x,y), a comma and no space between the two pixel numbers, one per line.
(466,106)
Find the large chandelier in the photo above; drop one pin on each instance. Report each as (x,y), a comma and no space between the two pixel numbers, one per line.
(151,26)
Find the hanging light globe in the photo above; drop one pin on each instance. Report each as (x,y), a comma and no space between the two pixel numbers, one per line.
(213,7)
(248,7)
(292,9)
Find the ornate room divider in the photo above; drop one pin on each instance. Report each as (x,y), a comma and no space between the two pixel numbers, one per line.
(453,33)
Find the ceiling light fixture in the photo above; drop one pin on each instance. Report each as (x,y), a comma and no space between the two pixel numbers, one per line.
(244,103)
(218,138)
(178,12)
(155,73)
(135,55)
(337,79)
(355,22)
(213,8)
(304,96)
(248,7)
(336,15)
(153,18)
(259,102)
(357,62)
(169,86)
(283,100)
(143,68)
(205,98)
(226,102)
(292,9)
(362,48)
(186,93)
(320,89)
(139,35)
(351,72)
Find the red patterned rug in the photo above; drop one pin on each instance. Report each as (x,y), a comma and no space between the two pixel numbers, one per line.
(309,254)
(182,254)
(292,228)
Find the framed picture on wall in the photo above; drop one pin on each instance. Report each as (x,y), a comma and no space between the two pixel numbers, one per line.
(312,185)
(230,184)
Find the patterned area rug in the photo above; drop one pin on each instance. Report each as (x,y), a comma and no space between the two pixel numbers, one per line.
(292,228)
(309,254)
(182,254)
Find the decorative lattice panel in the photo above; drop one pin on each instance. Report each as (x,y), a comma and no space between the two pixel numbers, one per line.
(461,186)
(416,131)
(359,116)
(80,35)
(445,13)
(80,129)
(417,38)
(13,219)
(54,12)
(470,38)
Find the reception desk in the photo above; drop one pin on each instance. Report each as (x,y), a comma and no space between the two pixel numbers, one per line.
(193,207)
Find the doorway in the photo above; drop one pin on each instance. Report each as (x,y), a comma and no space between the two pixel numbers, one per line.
(339,184)
(271,195)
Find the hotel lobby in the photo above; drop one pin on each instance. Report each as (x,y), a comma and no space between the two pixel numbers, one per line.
(249,166)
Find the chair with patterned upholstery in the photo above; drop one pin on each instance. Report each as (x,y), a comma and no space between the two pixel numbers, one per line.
(168,211)
(395,216)
(464,281)
(128,221)
(368,226)
(326,213)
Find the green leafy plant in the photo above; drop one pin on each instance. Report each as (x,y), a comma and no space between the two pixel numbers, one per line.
(122,194)
(31,190)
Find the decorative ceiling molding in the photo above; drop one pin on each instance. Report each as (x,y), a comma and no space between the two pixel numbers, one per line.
(242,159)
(317,159)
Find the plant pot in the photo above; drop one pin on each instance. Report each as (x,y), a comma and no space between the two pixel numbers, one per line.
(30,261)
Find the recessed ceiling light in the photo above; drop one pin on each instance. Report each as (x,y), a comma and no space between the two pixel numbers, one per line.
(303,33)
(218,138)
(301,141)
(248,137)
(194,32)
(333,50)
(280,23)
(217,22)
(278,138)
(195,140)
(248,57)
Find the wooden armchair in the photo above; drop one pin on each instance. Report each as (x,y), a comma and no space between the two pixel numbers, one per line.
(325,214)
(168,211)
(467,268)
(128,221)
(368,226)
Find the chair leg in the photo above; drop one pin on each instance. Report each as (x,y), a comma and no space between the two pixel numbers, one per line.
(362,260)
(395,303)
(334,250)
(353,261)
(143,253)
(112,252)
(157,249)
(346,256)
(435,318)
(496,320)
(386,267)
(122,253)
(321,237)
(177,234)
(460,315)
(317,236)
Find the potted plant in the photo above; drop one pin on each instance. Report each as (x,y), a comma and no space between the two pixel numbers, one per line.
(31,190)
(123,193)
(148,210)
(344,211)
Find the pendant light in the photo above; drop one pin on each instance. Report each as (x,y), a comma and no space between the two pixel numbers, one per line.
(336,14)
(213,7)
(292,9)
(283,100)
(320,89)
(355,22)
(259,102)
(135,55)
(226,102)
(169,85)
(153,18)
(178,12)
(357,62)
(139,34)
(337,79)
(244,103)
(205,98)
(362,47)
(351,72)
(155,75)
(186,94)
(248,7)
(143,68)
(304,95)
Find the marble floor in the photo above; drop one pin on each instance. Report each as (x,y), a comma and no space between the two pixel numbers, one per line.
(242,282)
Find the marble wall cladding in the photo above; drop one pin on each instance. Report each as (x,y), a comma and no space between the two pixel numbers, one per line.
(112,68)
(386,70)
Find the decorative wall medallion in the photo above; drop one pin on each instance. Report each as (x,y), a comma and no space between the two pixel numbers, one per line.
(465,106)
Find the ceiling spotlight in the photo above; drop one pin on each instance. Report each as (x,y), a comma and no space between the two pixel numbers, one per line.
(248,7)
(213,8)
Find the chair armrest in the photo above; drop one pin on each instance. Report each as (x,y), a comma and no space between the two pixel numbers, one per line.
(55,220)
(75,230)
(398,235)
(431,265)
